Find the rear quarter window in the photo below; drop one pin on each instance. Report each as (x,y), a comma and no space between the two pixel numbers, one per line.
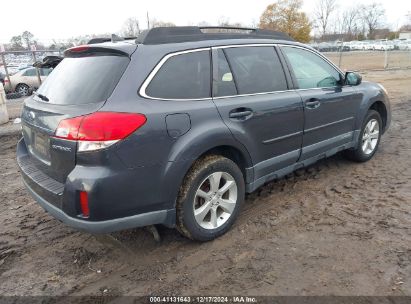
(225,81)
(183,76)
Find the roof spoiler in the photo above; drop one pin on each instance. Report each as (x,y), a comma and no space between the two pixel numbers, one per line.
(92,50)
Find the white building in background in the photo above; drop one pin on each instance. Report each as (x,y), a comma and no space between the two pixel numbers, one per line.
(405,35)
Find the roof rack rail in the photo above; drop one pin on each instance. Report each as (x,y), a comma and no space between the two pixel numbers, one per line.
(161,35)
(227,28)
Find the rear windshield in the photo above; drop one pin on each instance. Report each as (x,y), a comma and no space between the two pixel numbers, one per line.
(83,80)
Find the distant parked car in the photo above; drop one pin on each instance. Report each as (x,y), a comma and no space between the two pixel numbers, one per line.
(382,46)
(369,45)
(404,45)
(325,47)
(314,46)
(396,43)
(12,69)
(350,45)
(25,81)
(344,47)
(2,77)
(358,45)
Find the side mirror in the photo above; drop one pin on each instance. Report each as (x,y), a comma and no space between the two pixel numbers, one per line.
(352,78)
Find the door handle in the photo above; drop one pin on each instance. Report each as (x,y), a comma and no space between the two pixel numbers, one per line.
(241,113)
(312,103)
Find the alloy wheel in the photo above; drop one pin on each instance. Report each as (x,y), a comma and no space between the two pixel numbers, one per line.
(370,136)
(215,200)
(23,90)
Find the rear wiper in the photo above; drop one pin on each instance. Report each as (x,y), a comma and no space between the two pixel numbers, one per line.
(41,96)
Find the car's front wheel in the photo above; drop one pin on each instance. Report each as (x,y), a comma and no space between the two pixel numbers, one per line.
(23,89)
(210,198)
(369,138)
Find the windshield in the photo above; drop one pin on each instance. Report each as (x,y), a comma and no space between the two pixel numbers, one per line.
(83,80)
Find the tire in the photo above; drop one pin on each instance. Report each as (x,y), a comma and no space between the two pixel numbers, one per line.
(13,95)
(23,89)
(368,140)
(199,193)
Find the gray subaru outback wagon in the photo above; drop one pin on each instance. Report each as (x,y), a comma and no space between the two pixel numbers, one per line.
(174,127)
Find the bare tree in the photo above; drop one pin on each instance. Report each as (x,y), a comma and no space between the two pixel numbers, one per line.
(373,17)
(131,27)
(322,13)
(27,38)
(407,25)
(16,43)
(158,23)
(223,21)
(347,22)
(350,17)
(203,23)
(254,23)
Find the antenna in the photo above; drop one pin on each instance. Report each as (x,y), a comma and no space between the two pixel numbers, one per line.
(148,21)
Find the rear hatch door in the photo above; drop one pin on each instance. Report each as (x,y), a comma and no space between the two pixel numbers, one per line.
(78,86)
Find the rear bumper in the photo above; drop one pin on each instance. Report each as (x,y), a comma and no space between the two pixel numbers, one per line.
(8,88)
(139,220)
(60,199)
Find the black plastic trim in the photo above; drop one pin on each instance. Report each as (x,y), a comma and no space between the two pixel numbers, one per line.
(178,34)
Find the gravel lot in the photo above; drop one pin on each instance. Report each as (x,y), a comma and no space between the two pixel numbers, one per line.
(336,228)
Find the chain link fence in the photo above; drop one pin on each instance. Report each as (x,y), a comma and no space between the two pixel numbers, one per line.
(371,60)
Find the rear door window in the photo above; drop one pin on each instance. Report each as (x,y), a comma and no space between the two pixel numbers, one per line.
(183,76)
(256,69)
(83,80)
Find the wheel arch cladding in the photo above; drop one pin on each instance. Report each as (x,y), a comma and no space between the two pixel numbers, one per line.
(176,171)
(233,153)
(380,107)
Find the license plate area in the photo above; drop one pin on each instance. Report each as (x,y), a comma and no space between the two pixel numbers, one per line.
(42,145)
(38,144)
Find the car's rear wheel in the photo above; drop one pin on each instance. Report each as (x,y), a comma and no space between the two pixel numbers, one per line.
(210,198)
(369,138)
(23,89)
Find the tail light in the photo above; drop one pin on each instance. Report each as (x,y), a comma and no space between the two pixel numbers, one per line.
(99,130)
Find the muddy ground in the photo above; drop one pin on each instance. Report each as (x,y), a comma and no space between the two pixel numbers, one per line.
(336,228)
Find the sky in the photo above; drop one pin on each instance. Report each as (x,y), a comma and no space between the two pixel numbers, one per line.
(57,19)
